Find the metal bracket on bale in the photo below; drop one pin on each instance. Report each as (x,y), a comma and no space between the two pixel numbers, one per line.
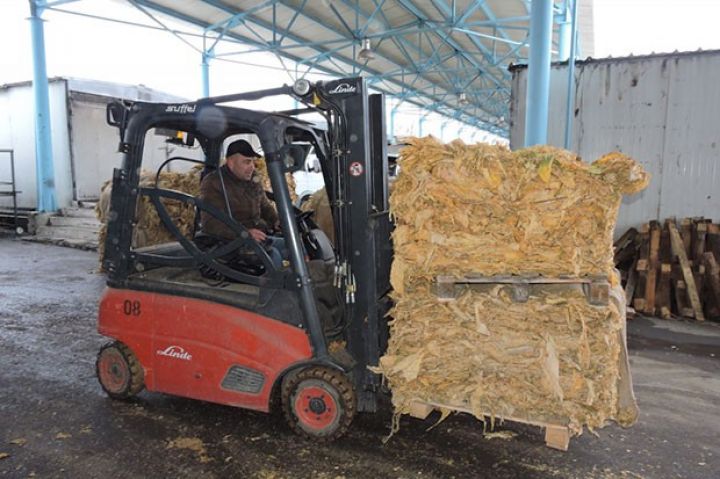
(557,436)
(596,288)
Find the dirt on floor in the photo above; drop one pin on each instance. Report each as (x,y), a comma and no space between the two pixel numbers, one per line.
(55,421)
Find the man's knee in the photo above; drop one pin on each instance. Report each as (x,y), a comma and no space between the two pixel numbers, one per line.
(276,257)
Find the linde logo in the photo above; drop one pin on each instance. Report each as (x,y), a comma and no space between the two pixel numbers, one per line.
(175,352)
(343,88)
(184,108)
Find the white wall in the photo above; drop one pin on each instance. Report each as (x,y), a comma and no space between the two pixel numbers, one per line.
(661,110)
(17,132)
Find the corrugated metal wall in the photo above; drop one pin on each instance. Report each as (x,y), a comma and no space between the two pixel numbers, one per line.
(662,110)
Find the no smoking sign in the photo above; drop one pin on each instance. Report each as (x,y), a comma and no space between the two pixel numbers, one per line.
(356,168)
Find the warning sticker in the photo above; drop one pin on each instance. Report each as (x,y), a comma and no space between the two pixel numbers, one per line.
(356,168)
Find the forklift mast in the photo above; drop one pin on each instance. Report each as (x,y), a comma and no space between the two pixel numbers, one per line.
(362,223)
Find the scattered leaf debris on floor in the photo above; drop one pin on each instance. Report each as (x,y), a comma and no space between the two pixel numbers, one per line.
(192,443)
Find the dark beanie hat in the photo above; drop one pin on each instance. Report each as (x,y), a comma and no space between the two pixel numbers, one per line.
(242,147)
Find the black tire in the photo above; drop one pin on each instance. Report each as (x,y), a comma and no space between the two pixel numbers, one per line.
(319,403)
(119,371)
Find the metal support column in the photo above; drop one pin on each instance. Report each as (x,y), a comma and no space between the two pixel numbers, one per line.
(565,32)
(45,173)
(205,74)
(391,135)
(538,83)
(570,104)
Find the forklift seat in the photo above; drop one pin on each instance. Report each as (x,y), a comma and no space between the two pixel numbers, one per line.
(320,245)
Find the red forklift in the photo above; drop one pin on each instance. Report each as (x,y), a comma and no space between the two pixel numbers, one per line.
(194,318)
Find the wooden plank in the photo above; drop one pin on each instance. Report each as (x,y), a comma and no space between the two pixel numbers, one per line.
(642,267)
(662,299)
(665,247)
(686,232)
(712,281)
(681,300)
(631,283)
(625,255)
(713,240)
(627,238)
(699,244)
(698,271)
(557,434)
(693,238)
(664,291)
(639,304)
(679,251)
(653,264)
(625,248)
(557,437)
(420,410)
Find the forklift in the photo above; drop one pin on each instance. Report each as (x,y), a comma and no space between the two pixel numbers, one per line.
(186,320)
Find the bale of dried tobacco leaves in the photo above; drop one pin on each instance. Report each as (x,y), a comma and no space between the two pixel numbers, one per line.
(484,210)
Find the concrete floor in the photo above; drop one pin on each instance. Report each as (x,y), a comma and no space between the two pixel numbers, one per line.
(56,422)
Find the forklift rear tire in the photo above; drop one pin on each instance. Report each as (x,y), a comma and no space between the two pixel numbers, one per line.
(319,403)
(118,370)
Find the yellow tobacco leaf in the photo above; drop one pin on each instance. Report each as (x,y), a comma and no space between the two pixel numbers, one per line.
(545,169)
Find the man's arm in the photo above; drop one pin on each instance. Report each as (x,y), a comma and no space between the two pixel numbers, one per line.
(268,212)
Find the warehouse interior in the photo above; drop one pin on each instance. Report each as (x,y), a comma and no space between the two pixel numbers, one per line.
(515,239)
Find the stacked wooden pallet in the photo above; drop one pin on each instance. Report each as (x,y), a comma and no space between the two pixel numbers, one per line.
(672,269)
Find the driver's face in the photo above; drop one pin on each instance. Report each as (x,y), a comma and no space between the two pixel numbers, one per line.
(241,166)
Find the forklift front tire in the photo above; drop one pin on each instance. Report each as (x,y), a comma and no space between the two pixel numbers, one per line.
(319,403)
(118,370)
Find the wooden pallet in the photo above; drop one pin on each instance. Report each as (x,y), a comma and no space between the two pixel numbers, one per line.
(557,434)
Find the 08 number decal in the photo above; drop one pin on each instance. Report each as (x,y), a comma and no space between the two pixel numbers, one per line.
(131,308)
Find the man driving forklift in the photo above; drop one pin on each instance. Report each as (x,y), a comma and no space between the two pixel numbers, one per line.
(235,188)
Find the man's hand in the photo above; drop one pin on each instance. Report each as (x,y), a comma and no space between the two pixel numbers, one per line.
(257,235)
